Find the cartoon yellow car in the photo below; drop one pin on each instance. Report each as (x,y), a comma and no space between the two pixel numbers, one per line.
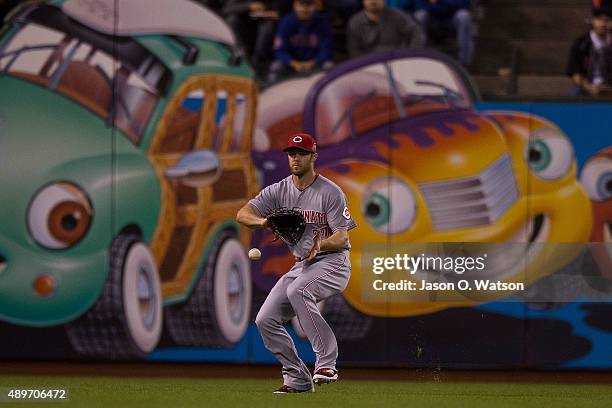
(398,132)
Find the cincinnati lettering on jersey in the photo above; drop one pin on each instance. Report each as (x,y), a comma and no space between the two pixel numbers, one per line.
(313,217)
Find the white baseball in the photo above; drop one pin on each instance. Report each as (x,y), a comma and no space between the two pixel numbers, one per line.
(254,254)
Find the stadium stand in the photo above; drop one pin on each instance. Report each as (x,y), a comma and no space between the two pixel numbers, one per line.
(522,46)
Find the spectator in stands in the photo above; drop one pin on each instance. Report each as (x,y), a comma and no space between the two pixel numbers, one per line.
(303,42)
(379,28)
(438,17)
(590,59)
(254,23)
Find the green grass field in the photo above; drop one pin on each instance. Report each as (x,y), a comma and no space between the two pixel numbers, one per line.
(252,393)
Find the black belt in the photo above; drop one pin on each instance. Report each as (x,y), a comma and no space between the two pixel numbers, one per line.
(298,259)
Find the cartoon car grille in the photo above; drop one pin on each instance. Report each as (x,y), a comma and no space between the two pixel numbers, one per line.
(472,201)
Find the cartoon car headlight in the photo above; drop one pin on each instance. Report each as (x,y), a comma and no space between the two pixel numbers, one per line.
(550,154)
(596,177)
(59,215)
(380,203)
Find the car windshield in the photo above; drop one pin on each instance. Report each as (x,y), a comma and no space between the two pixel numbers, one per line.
(381,93)
(54,51)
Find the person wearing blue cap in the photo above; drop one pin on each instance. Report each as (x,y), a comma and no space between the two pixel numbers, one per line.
(303,42)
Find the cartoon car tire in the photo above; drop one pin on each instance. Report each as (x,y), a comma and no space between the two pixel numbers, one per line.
(217,312)
(347,323)
(126,320)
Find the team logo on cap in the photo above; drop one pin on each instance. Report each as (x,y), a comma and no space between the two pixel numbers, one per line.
(297,139)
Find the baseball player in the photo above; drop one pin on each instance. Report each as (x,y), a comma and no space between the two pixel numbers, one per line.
(322,267)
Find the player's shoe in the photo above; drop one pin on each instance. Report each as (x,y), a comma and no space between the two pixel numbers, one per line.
(285,389)
(325,376)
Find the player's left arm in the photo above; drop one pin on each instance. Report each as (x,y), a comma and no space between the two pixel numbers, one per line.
(335,242)
(339,220)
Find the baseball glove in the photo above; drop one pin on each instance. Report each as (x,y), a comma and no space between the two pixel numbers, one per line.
(287,224)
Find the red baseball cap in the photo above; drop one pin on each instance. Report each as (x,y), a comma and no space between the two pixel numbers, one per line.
(301,141)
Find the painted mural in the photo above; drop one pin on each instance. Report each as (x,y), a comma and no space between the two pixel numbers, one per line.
(119,239)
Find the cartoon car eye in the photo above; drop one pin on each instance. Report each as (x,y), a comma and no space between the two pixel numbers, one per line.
(59,216)
(389,205)
(596,178)
(549,155)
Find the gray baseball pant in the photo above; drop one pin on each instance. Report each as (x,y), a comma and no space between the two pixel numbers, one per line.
(297,294)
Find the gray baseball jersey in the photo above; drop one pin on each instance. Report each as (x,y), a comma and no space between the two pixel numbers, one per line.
(323,205)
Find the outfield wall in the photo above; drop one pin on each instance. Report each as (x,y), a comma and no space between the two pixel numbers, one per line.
(497,334)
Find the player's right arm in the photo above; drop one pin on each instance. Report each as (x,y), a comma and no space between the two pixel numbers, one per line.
(251,215)
(248,217)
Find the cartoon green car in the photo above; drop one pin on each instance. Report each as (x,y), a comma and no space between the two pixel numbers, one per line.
(125,138)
